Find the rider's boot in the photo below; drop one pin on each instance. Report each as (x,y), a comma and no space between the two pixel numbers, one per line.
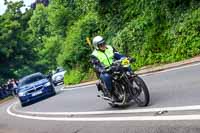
(107,93)
(99,86)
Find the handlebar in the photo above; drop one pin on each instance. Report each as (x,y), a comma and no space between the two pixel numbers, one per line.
(117,63)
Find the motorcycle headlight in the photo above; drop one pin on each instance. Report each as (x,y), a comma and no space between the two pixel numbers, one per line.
(21,94)
(47,84)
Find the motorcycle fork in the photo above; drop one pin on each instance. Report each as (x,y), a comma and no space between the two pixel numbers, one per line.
(129,87)
(115,86)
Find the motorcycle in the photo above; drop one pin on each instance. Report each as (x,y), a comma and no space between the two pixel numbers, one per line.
(126,85)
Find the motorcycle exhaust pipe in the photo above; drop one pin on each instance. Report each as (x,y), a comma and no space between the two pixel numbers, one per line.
(110,100)
(105,98)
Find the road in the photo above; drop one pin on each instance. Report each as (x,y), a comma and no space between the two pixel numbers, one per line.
(174,108)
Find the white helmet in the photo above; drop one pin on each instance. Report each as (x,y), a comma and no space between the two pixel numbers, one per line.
(98,40)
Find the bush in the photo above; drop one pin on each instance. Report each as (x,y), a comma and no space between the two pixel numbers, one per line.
(75,50)
(73,77)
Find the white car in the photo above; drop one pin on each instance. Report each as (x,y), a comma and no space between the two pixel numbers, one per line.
(58,77)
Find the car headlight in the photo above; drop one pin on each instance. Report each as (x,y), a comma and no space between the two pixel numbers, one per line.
(47,84)
(21,94)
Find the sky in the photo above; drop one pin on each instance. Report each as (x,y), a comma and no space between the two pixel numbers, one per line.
(3,7)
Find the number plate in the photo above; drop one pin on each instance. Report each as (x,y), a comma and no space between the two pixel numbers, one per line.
(36,93)
(125,62)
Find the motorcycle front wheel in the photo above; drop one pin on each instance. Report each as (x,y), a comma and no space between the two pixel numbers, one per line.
(140,91)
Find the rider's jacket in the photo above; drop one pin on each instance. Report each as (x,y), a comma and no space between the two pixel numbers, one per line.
(105,57)
(101,59)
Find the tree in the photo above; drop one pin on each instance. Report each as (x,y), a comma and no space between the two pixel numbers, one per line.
(16,52)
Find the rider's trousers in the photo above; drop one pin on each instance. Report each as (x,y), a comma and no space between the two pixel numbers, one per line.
(106,78)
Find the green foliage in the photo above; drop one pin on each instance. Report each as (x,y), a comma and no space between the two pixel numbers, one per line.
(73,77)
(165,31)
(15,51)
(132,37)
(85,6)
(38,22)
(75,49)
(110,17)
(58,18)
(78,75)
(152,31)
(89,75)
(50,51)
(186,36)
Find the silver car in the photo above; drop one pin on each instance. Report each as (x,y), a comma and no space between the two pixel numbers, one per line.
(58,77)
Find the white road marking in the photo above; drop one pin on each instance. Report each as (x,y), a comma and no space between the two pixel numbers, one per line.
(182,108)
(28,115)
(80,87)
(129,118)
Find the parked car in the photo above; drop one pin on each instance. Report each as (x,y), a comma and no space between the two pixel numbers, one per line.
(34,87)
(58,76)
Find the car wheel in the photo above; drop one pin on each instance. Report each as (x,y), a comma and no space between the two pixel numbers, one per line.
(53,91)
(23,104)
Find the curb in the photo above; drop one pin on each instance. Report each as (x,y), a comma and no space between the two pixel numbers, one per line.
(81,84)
(149,70)
(6,99)
(168,66)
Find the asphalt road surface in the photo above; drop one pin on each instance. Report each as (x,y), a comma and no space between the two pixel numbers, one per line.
(174,108)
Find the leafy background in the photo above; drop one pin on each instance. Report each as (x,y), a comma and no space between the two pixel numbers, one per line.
(40,39)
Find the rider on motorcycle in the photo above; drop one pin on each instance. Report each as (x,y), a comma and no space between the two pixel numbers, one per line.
(102,57)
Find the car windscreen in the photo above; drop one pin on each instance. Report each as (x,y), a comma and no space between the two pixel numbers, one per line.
(31,79)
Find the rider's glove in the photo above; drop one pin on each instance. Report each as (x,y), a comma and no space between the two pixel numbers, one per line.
(131,59)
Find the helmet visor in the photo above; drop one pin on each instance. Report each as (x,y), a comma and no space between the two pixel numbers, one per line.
(101,43)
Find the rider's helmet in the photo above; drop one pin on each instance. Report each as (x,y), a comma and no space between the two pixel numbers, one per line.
(97,41)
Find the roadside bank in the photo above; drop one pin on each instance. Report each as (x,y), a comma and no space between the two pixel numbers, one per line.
(149,70)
